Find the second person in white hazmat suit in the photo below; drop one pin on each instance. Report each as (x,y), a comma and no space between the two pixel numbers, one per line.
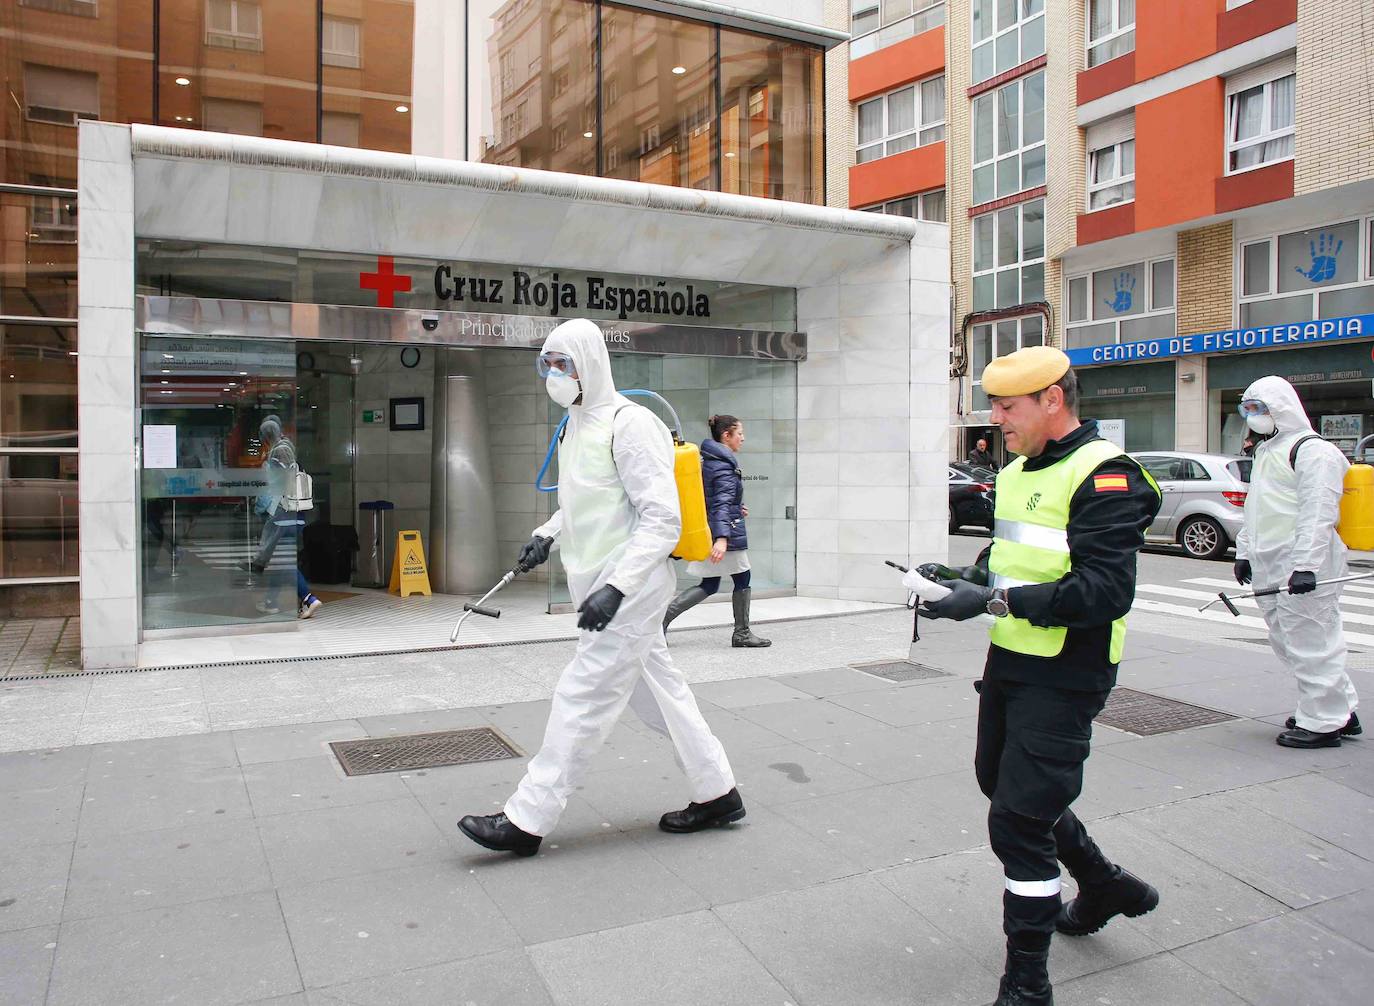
(1289,539)
(617,524)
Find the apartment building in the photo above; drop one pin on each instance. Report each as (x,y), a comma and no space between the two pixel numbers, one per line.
(1179,193)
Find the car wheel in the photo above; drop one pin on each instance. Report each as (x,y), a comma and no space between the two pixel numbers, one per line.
(1203,538)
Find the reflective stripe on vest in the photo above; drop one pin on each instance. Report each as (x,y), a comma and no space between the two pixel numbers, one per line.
(1031,541)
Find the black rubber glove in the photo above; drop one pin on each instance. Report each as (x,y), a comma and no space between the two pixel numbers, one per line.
(937,573)
(1302,582)
(965,601)
(535,552)
(599,608)
(1242,571)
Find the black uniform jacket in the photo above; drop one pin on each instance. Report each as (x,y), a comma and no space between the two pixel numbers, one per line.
(1106,530)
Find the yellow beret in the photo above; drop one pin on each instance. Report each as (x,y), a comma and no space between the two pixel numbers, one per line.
(1024,372)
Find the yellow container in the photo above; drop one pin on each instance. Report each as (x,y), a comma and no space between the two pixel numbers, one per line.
(1357,508)
(695,543)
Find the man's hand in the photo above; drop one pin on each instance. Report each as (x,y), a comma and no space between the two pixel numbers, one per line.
(535,552)
(937,573)
(1302,582)
(965,601)
(1242,571)
(599,608)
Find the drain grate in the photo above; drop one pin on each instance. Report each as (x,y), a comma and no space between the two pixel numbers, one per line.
(414,751)
(899,670)
(1144,714)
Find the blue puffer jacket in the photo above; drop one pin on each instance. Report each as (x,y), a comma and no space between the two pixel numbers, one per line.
(724,484)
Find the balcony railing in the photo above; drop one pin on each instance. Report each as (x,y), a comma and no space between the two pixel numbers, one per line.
(931,16)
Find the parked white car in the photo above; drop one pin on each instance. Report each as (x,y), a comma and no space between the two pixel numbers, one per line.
(1203,499)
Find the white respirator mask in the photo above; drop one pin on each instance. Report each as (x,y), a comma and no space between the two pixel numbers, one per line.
(563,390)
(1262,424)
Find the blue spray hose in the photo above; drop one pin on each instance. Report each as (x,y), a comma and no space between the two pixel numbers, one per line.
(553,443)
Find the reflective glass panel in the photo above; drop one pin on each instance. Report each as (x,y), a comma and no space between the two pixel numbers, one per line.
(367,55)
(37,386)
(38,515)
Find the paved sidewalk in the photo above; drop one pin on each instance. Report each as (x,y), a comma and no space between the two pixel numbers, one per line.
(242,866)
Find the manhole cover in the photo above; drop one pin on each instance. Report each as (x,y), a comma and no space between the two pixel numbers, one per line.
(1145,714)
(899,670)
(400,754)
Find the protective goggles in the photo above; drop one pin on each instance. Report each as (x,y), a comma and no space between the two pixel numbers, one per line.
(1252,407)
(556,363)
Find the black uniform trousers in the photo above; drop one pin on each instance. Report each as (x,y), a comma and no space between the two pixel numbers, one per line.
(1032,743)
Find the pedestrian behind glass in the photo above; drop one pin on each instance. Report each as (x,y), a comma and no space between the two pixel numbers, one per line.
(280,526)
(725,512)
(982,457)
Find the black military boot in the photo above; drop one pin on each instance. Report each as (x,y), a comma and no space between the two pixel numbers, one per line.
(1352,726)
(689,598)
(496,832)
(725,809)
(1096,905)
(1026,980)
(743,636)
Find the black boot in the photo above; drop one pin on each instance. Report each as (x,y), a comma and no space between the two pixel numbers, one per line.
(1352,726)
(743,637)
(496,832)
(725,809)
(689,598)
(1026,980)
(1124,894)
(1297,737)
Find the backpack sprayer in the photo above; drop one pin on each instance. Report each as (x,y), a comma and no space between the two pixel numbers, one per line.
(1271,591)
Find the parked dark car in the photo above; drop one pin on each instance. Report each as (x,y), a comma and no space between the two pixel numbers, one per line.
(970,496)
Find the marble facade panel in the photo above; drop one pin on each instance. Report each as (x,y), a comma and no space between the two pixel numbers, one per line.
(868,300)
(180,201)
(873,468)
(106,331)
(817,303)
(106,234)
(105,282)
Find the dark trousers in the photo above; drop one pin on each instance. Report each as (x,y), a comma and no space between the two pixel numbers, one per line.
(1032,743)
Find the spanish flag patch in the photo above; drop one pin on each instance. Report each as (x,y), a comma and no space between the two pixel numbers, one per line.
(1110,484)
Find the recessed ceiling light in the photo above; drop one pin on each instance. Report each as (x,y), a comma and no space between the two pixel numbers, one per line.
(403,108)
(679,69)
(184,81)
(729,153)
(166,382)
(587,135)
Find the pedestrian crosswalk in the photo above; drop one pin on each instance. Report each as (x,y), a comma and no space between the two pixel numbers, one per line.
(226,554)
(1184,599)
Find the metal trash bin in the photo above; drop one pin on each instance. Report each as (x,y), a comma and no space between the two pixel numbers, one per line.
(378,509)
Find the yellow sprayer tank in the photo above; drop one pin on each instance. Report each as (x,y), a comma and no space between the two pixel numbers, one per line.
(695,543)
(1357,508)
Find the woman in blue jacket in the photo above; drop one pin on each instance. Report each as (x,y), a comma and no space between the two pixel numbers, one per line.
(725,511)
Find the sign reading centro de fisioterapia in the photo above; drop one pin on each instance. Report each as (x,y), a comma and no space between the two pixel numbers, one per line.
(556,295)
(1231,340)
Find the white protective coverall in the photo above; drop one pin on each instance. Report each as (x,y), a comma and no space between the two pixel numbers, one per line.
(618,521)
(1290,524)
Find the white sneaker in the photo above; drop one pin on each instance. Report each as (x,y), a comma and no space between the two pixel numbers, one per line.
(309,606)
(268,607)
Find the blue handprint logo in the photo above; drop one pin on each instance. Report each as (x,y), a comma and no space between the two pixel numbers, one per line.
(1124,289)
(1325,250)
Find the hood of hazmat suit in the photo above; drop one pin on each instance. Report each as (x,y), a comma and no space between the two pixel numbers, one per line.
(618,516)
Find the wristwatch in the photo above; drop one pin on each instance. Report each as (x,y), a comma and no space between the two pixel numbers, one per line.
(997,604)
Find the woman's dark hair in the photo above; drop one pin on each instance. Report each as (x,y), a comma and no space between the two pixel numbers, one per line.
(721,425)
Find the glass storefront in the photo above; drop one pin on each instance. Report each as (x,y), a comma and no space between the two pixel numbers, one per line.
(1139,398)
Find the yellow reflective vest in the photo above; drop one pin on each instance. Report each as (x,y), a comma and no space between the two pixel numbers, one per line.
(1030,540)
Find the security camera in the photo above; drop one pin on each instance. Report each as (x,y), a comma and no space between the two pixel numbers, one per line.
(429,322)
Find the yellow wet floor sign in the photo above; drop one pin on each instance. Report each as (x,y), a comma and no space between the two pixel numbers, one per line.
(408,573)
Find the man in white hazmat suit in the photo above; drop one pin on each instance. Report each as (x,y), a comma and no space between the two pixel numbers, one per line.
(617,523)
(1290,540)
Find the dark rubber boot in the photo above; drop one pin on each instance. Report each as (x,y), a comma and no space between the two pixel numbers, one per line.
(1026,980)
(1125,894)
(1352,726)
(725,809)
(743,637)
(496,832)
(689,598)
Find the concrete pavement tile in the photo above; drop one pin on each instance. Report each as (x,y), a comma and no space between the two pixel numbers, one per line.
(33,884)
(1319,806)
(142,756)
(899,822)
(522,722)
(1272,856)
(1357,777)
(809,720)
(143,870)
(790,772)
(1114,785)
(288,787)
(229,950)
(109,699)
(1283,961)
(170,799)
(1351,916)
(507,977)
(763,854)
(144,724)
(301,740)
(741,692)
(40,816)
(25,963)
(347,841)
(895,754)
(268,711)
(678,961)
(736,733)
(833,681)
(41,768)
(38,700)
(919,702)
(28,734)
(634,797)
(428,722)
(1191,755)
(1166,977)
(854,941)
(1257,739)
(1166,670)
(586,884)
(1256,694)
(362,927)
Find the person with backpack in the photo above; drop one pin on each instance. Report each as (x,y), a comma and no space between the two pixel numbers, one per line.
(725,511)
(1289,539)
(281,522)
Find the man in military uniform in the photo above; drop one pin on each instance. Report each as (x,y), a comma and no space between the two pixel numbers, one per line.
(1070,516)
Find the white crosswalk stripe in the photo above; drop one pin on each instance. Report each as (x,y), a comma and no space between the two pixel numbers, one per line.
(228,554)
(1146,594)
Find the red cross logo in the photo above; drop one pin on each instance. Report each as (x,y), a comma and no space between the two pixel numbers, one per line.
(384,281)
